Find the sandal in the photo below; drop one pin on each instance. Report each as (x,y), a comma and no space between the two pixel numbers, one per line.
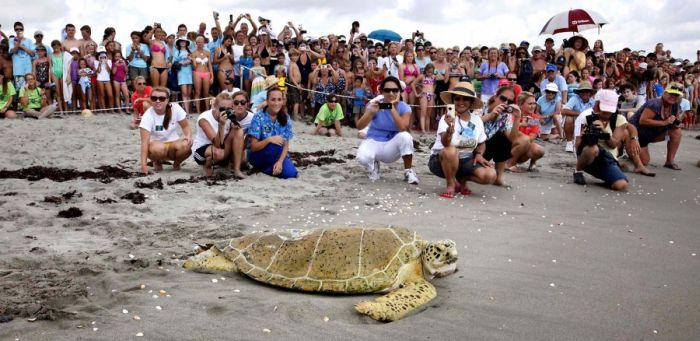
(645,173)
(465,192)
(672,166)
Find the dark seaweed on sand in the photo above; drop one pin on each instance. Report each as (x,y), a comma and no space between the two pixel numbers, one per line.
(63,198)
(214,180)
(158,184)
(105,174)
(317,158)
(135,197)
(105,201)
(72,212)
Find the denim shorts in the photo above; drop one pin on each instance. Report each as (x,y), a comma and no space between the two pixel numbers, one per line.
(605,167)
(466,167)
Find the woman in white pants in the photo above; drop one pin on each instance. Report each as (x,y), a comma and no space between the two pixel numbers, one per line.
(387,139)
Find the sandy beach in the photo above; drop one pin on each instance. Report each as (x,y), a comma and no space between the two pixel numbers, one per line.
(543,260)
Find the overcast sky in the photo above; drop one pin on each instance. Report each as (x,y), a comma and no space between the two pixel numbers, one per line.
(636,24)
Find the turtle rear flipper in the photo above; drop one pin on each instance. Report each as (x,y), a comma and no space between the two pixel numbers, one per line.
(399,302)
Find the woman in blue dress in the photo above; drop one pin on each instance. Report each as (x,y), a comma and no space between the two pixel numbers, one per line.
(183,64)
(270,133)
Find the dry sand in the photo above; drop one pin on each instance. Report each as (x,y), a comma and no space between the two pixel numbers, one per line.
(544,260)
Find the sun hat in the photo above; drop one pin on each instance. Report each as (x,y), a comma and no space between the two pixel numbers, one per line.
(465,89)
(574,38)
(551,87)
(270,81)
(551,67)
(584,86)
(607,100)
(675,89)
(181,38)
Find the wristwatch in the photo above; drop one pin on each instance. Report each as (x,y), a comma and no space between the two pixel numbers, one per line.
(636,138)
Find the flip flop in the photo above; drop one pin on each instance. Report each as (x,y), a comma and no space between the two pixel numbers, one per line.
(647,173)
(447,194)
(672,166)
(465,192)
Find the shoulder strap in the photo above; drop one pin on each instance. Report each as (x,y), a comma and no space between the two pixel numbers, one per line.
(613,122)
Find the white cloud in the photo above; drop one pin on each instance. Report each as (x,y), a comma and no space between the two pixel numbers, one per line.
(634,24)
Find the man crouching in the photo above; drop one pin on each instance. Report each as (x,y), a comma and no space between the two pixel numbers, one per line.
(601,133)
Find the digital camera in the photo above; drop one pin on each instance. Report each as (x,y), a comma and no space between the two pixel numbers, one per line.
(592,134)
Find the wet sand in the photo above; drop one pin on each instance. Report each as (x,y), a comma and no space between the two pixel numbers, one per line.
(545,259)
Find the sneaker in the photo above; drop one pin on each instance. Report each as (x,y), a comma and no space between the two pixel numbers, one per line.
(409,176)
(569,147)
(579,178)
(374,172)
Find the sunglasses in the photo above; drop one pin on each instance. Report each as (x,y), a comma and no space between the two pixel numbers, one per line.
(388,90)
(222,109)
(512,79)
(141,83)
(333,101)
(433,52)
(19,30)
(506,99)
(420,49)
(159,98)
(240,102)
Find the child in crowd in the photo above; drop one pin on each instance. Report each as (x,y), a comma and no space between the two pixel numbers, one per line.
(85,73)
(427,95)
(119,70)
(74,77)
(257,74)
(57,72)
(281,74)
(360,95)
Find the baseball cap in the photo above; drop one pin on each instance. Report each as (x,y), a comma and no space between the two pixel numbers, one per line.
(607,100)
(551,87)
(643,66)
(74,49)
(524,43)
(38,33)
(503,82)
(551,67)
(537,48)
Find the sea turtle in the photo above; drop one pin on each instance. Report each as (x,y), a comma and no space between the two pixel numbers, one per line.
(345,260)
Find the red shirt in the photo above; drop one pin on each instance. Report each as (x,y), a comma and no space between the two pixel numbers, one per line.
(530,124)
(146,95)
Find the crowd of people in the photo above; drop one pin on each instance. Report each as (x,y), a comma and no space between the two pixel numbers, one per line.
(491,107)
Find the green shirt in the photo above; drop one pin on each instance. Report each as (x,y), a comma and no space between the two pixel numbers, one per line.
(326,117)
(34,96)
(7,97)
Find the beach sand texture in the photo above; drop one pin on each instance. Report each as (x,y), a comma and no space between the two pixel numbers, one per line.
(544,260)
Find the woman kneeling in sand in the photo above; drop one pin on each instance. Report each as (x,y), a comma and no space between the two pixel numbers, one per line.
(221,134)
(159,137)
(460,143)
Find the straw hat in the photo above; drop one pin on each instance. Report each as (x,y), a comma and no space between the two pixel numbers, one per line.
(584,86)
(271,81)
(465,89)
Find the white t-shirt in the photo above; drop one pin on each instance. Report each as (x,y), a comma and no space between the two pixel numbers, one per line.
(391,65)
(237,52)
(153,123)
(467,135)
(103,76)
(201,139)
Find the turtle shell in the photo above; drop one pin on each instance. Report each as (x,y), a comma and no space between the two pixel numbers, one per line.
(339,260)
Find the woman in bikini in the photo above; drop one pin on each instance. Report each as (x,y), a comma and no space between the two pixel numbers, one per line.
(266,52)
(159,64)
(224,58)
(408,72)
(426,96)
(202,73)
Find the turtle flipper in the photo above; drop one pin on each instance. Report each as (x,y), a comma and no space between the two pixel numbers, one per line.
(399,302)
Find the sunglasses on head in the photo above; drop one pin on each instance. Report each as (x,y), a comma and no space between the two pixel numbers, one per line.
(237,102)
(159,98)
(394,90)
(506,99)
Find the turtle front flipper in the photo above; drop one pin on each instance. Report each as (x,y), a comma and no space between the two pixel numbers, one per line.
(210,260)
(399,302)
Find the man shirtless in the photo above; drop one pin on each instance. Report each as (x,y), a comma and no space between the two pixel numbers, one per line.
(85,31)
(70,41)
(294,92)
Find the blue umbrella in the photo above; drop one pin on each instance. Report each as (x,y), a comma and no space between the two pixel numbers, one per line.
(383,35)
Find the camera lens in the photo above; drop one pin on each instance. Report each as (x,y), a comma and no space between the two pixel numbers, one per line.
(509,110)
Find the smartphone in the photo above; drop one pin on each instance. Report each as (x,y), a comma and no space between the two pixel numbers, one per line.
(384,105)
(451,110)
(230,17)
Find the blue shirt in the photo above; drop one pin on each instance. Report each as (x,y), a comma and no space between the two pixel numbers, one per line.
(576,104)
(21,60)
(262,127)
(489,85)
(383,128)
(547,108)
(559,81)
(138,60)
(214,44)
(359,95)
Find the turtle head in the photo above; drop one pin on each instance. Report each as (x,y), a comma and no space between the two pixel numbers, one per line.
(211,259)
(440,258)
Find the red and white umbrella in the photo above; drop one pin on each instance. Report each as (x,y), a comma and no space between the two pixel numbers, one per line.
(575,20)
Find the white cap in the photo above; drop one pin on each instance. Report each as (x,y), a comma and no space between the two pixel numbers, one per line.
(551,87)
(643,66)
(101,49)
(607,100)
(74,49)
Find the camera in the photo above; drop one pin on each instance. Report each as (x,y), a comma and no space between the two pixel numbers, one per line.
(383,105)
(231,115)
(492,75)
(301,30)
(565,43)
(593,134)
(676,123)
(509,110)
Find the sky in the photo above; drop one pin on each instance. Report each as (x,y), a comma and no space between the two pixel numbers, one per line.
(636,24)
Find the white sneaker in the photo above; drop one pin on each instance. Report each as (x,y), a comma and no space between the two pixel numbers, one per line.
(569,147)
(409,175)
(374,172)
